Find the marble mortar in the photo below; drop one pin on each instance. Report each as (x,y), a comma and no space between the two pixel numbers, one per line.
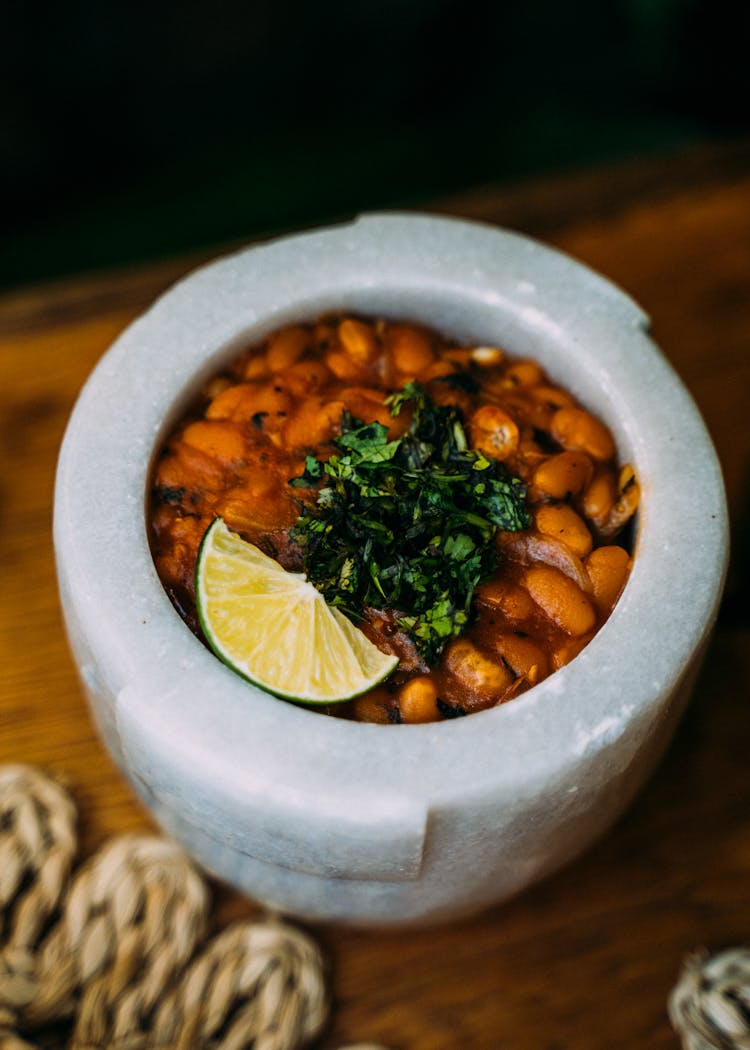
(386,825)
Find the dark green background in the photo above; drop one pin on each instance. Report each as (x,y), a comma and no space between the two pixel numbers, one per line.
(133,130)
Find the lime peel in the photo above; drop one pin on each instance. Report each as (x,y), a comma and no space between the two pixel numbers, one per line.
(274,627)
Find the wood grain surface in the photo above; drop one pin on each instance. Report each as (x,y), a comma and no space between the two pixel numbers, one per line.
(584,961)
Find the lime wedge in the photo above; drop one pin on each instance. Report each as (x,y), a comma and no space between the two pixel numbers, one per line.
(275,629)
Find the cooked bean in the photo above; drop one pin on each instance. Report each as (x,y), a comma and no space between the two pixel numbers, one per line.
(358,340)
(524,373)
(417,699)
(305,377)
(600,495)
(446,394)
(476,672)
(219,439)
(523,655)
(578,431)
(531,547)
(487,356)
(562,522)
(177,557)
(255,367)
(225,401)
(373,706)
(535,415)
(215,386)
(507,597)
(324,335)
(461,356)
(345,367)
(561,600)
(568,649)
(493,432)
(530,454)
(411,350)
(286,347)
(563,475)
(191,469)
(367,404)
(266,402)
(437,370)
(552,396)
(315,422)
(608,569)
(262,505)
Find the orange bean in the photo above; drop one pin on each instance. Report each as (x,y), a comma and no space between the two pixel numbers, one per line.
(569,649)
(577,430)
(552,396)
(345,367)
(563,475)
(305,377)
(535,415)
(215,386)
(178,558)
(524,373)
(358,340)
(190,468)
(493,432)
(561,600)
(531,454)
(461,356)
(286,346)
(265,404)
(562,522)
(437,370)
(599,496)
(417,700)
(324,335)
(522,655)
(225,402)
(255,367)
(608,569)
(169,472)
(373,706)
(218,438)
(487,356)
(445,394)
(476,672)
(366,404)
(315,422)
(508,598)
(263,504)
(410,349)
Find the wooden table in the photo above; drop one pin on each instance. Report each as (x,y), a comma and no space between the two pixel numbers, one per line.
(584,961)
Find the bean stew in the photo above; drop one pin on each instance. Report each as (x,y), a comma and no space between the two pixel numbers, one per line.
(253,450)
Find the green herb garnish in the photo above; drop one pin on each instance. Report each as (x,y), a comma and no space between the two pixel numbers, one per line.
(407,524)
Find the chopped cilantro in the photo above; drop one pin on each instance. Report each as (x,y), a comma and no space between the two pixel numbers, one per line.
(407,524)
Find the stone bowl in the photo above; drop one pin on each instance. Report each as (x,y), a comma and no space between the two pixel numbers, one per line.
(386,825)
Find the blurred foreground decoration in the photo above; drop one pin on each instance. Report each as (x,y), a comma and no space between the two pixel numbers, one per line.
(118,945)
(117,949)
(710,1005)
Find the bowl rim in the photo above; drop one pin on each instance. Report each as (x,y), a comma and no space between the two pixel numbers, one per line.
(161,674)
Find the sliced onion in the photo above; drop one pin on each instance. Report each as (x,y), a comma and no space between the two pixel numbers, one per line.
(530,547)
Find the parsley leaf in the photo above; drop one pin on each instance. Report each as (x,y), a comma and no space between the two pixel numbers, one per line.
(407,524)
